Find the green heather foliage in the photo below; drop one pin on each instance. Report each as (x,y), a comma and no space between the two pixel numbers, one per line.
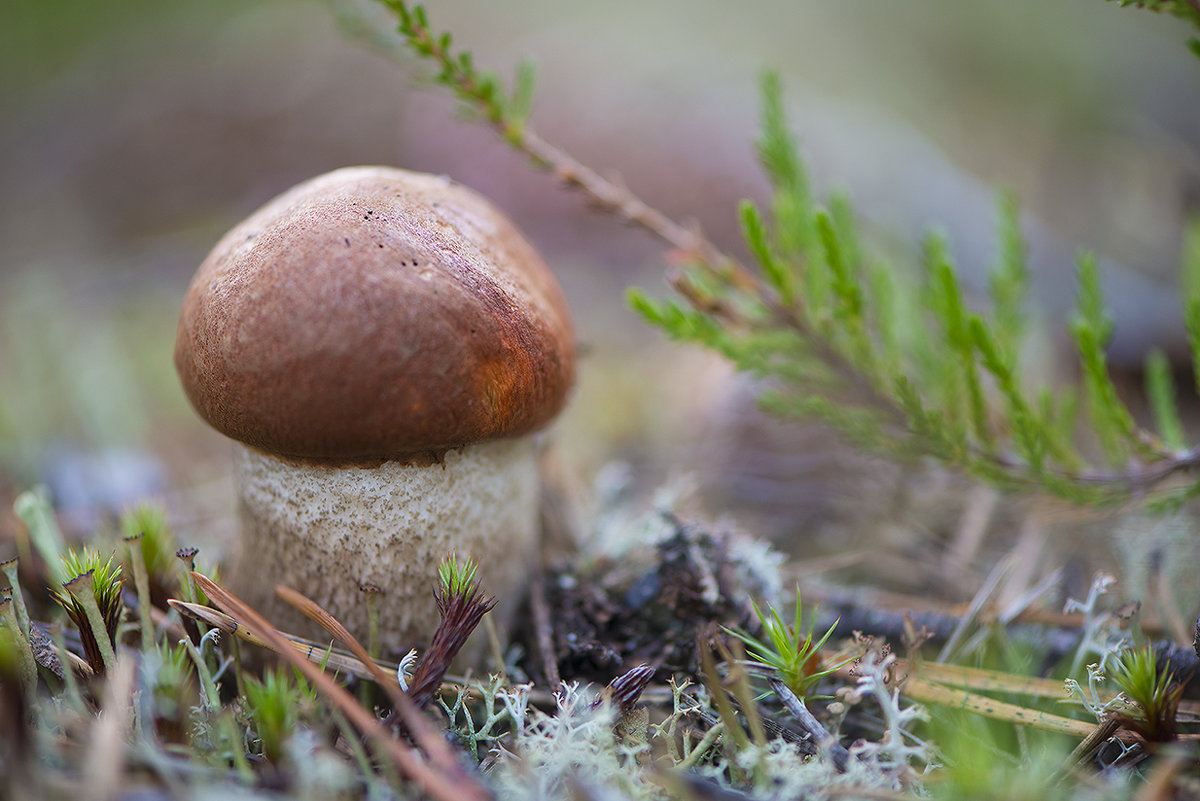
(479,90)
(924,370)
(912,369)
(1184,9)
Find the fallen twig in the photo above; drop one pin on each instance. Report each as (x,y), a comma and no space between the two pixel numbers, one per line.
(545,635)
(838,753)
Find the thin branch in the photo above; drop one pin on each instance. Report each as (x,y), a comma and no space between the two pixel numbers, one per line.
(545,634)
(618,199)
(837,752)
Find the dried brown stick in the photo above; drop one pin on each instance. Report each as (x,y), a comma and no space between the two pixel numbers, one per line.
(313,611)
(337,660)
(434,782)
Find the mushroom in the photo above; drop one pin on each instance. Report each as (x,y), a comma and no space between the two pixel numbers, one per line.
(383,344)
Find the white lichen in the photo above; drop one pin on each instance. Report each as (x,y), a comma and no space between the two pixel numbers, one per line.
(577,744)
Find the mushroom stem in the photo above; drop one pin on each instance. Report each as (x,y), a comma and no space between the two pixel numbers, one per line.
(328,530)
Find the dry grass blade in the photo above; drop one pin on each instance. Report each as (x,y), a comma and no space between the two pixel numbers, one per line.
(104,760)
(929,692)
(434,744)
(720,699)
(741,692)
(219,620)
(313,611)
(314,652)
(978,603)
(982,680)
(437,784)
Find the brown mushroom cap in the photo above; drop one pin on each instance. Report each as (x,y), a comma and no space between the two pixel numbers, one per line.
(370,314)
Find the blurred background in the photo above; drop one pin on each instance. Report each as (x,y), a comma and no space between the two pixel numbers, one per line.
(133,134)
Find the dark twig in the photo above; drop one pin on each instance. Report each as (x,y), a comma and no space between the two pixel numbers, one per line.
(859,612)
(837,752)
(545,635)
(618,199)
(1090,746)
(854,612)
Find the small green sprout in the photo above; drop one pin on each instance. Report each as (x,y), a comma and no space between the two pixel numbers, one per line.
(462,606)
(106,578)
(276,704)
(105,597)
(1155,693)
(173,689)
(795,657)
(457,578)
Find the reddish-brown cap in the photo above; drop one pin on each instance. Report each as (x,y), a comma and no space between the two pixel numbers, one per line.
(373,313)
